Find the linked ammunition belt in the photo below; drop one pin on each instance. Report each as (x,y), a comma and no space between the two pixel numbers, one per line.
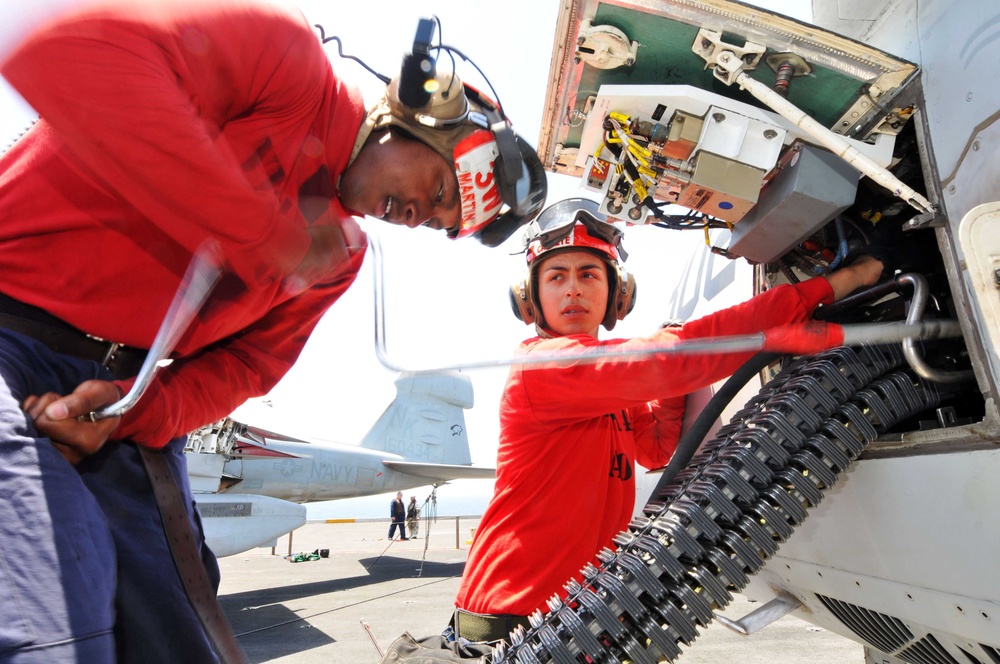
(726,514)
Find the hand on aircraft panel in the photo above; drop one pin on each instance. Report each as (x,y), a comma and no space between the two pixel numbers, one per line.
(62,418)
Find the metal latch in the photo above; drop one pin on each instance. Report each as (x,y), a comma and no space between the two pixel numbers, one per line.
(761,617)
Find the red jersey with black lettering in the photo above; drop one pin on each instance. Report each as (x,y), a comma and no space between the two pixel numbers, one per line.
(569,440)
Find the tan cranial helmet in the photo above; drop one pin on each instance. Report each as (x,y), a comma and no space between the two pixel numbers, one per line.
(501,179)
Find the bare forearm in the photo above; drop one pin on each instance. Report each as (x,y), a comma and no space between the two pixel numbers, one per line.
(846,280)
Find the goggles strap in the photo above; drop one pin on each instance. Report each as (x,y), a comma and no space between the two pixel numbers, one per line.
(601,230)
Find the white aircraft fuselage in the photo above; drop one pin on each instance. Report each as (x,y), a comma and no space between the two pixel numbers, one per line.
(262,477)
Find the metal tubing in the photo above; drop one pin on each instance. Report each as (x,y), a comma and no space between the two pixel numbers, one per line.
(918,304)
(831,141)
(916,313)
(761,617)
(889,332)
(747,343)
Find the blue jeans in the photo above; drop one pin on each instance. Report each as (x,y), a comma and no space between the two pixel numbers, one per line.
(86,573)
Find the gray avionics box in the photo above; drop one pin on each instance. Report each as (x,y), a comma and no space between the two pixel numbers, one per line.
(806,194)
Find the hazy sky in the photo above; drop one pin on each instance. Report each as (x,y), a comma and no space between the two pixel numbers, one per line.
(446,300)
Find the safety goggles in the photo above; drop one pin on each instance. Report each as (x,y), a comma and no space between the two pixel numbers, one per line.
(557,221)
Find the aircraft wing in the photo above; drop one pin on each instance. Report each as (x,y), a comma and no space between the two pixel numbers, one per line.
(441,471)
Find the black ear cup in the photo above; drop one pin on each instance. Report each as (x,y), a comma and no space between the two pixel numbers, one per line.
(525,196)
(441,111)
(520,302)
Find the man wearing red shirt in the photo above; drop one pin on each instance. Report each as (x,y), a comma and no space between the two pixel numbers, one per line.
(578,429)
(165,123)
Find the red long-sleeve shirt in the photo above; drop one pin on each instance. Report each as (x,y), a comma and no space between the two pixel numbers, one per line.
(163,124)
(569,439)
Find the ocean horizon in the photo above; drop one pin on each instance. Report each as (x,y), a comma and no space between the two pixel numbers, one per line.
(456,498)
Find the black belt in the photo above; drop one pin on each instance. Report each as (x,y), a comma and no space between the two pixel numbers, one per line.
(16,316)
(486,627)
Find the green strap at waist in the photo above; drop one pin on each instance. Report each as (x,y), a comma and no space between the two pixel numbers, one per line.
(481,627)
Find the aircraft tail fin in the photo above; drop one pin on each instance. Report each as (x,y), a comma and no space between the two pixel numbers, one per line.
(426,421)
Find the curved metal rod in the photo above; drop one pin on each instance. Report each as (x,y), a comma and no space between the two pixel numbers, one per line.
(197,283)
(744,343)
(918,304)
(825,137)
(730,344)
(913,357)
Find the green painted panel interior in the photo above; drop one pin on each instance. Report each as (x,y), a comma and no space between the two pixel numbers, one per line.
(665,58)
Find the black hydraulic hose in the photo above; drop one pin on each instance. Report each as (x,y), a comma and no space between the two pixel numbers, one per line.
(689,443)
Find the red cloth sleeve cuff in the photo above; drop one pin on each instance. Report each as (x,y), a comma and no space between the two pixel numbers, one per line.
(803,338)
(136,425)
(815,291)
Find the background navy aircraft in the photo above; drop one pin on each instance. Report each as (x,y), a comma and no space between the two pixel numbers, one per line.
(856,488)
(250,483)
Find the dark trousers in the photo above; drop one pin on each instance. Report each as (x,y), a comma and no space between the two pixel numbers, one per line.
(402,528)
(86,574)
